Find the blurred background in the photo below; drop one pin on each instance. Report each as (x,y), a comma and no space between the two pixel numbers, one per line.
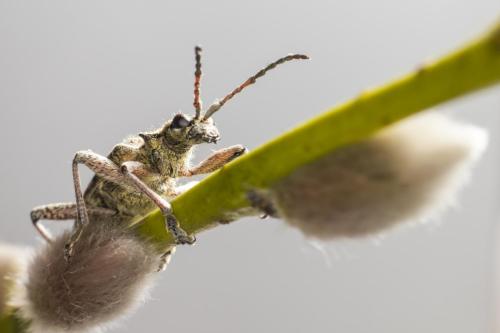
(84,74)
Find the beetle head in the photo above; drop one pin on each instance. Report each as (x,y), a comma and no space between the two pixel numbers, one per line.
(183,129)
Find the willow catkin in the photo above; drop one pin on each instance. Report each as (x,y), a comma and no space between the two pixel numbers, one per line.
(13,260)
(108,276)
(407,172)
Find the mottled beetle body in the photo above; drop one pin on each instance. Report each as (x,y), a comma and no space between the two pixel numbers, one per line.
(140,173)
(164,154)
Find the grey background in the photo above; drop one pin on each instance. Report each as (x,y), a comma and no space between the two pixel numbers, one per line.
(83,74)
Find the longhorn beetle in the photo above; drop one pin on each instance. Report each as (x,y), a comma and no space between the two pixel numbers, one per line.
(140,172)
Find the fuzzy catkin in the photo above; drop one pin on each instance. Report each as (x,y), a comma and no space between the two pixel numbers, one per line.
(13,261)
(407,172)
(109,274)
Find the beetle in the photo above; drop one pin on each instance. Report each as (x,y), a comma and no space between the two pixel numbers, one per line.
(140,173)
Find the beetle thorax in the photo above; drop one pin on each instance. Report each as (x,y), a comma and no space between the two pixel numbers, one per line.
(168,159)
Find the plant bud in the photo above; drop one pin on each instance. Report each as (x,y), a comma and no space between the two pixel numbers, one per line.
(13,261)
(407,172)
(109,275)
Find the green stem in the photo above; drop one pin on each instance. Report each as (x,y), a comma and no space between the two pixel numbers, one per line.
(222,195)
(10,323)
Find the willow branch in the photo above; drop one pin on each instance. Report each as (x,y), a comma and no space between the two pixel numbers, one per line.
(221,197)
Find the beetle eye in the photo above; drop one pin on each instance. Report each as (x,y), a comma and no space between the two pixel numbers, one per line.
(179,121)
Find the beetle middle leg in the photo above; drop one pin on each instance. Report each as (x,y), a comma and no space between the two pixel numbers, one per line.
(126,174)
(58,212)
(130,169)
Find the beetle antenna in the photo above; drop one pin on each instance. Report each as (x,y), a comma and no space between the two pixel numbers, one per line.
(251,80)
(197,78)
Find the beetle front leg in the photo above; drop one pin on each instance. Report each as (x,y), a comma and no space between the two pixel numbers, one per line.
(129,169)
(215,161)
(101,166)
